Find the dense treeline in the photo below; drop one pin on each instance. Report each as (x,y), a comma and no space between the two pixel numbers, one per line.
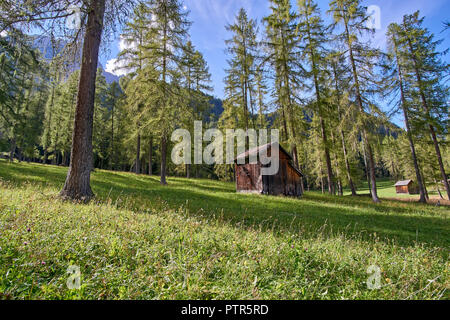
(325,87)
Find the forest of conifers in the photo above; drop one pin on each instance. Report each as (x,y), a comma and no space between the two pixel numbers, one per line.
(331,93)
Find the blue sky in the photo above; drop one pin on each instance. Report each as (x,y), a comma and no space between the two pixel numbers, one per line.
(209,18)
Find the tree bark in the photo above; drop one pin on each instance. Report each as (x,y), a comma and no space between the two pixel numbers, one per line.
(77,185)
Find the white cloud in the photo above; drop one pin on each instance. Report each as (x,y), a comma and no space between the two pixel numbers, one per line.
(116,66)
(3,34)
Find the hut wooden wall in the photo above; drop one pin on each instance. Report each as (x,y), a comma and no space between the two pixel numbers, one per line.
(285,182)
(402,189)
(412,188)
(248,178)
(293,183)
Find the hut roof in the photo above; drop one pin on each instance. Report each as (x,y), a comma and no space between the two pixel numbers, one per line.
(255,151)
(262,148)
(403,183)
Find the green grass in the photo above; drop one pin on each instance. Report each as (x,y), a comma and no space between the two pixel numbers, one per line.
(198,239)
(386,189)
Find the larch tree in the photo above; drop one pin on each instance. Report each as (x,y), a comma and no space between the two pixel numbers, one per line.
(314,41)
(428,71)
(339,99)
(133,59)
(196,80)
(77,185)
(284,55)
(241,71)
(51,14)
(400,85)
(352,18)
(166,38)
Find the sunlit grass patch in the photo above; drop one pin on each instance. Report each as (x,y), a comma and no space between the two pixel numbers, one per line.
(198,239)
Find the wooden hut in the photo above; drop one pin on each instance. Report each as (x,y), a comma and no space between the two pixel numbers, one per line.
(406,186)
(250,180)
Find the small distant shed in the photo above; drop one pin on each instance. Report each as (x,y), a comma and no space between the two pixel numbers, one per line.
(249,178)
(406,186)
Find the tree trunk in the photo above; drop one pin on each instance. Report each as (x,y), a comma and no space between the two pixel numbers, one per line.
(294,154)
(347,165)
(302,185)
(188,171)
(327,157)
(138,154)
(45,156)
(77,185)
(437,189)
(64,160)
(322,185)
(47,142)
(163,159)
(13,150)
(424,185)
(365,164)
(111,156)
(150,158)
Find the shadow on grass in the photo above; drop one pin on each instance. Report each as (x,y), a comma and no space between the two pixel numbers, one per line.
(315,213)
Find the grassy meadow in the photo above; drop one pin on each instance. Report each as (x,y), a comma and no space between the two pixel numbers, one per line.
(198,239)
